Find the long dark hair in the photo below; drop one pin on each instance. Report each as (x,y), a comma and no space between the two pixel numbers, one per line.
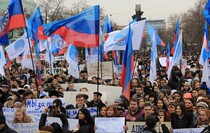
(87,120)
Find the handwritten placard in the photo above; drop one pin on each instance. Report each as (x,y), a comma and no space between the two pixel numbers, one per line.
(138,127)
(188,130)
(72,122)
(72,113)
(110,125)
(25,127)
(40,104)
(107,70)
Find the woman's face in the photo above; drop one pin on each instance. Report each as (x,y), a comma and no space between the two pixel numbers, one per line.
(203,116)
(19,116)
(110,112)
(160,104)
(151,99)
(156,89)
(81,115)
(103,111)
(141,103)
(178,110)
(188,104)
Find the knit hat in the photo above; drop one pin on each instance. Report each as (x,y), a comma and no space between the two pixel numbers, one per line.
(202,104)
(187,95)
(204,86)
(118,100)
(2,119)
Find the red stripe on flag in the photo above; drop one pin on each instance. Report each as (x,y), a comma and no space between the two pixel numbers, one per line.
(16,21)
(78,39)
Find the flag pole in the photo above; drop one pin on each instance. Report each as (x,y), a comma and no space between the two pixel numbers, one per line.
(32,59)
(30,49)
(98,63)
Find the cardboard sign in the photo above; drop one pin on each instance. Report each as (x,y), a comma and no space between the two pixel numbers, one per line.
(107,70)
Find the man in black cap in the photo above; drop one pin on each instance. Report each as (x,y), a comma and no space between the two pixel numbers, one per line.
(96,102)
(4,128)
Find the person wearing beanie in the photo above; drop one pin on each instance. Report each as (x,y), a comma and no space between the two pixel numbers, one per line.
(4,128)
(204,90)
(201,104)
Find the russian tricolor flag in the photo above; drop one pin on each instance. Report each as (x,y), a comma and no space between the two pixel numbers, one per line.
(12,18)
(81,30)
(127,66)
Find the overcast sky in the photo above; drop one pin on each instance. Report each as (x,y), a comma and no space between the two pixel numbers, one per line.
(121,11)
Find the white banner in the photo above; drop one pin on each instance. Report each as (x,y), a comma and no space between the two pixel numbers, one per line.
(110,125)
(72,113)
(72,122)
(107,70)
(188,130)
(25,127)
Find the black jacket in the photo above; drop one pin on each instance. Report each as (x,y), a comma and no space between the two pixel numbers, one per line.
(100,104)
(63,118)
(185,122)
(85,128)
(7,129)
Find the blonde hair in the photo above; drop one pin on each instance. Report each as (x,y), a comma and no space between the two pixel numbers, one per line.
(26,118)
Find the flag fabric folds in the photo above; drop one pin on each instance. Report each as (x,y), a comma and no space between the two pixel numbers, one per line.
(12,18)
(158,39)
(177,57)
(26,60)
(57,44)
(3,61)
(204,56)
(176,36)
(81,30)
(117,39)
(18,47)
(153,75)
(127,66)
(206,12)
(167,56)
(35,21)
(71,58)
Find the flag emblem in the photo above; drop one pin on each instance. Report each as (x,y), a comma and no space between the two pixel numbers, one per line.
(19,45)
(4,21)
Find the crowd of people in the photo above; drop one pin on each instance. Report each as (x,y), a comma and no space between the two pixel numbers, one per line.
(182,100)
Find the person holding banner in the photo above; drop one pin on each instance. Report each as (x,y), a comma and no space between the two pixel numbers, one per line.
(86,122)
(56,127)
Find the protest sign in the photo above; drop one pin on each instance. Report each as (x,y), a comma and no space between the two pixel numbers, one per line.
(35,107)
(188,130)
(110,125)
(72,113)
(9,114)
(38,104)
(25,127)
(107,70)
(56,70)
(59,58)
(138,127)
(72,122)
(162,61)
